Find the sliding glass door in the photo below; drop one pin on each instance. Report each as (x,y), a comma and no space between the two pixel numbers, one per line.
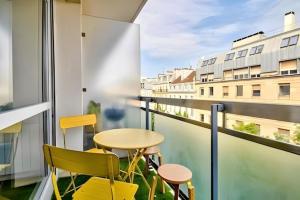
(25,97)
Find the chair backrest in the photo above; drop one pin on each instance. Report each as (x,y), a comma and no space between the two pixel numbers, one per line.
(77,121)
(93,164)
(14,129)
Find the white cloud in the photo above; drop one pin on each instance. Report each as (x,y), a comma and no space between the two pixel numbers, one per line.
(168,27)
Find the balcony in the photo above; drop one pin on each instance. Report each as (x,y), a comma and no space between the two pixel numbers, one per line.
(65,58)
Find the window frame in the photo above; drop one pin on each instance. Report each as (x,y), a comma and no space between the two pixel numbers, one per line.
(229,56)
(281,92)
(283,45)
(237,90)
(241,54)
(254,91)
(296,42)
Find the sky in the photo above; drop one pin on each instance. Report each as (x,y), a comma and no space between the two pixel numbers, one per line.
(177,33)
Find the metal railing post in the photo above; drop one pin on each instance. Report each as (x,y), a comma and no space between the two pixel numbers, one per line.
(147,113)
(215,108)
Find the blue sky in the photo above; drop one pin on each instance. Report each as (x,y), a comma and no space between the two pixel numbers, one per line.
(177,33)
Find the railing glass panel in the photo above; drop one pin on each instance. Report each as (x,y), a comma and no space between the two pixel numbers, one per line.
(248,170)
(188,145)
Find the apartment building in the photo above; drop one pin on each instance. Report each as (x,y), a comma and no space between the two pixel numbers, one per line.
(176,83)
(147,86)
(183,87)
(256,69)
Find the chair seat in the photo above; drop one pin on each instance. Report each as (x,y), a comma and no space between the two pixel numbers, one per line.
(152,150)
(175,174)
(99,189)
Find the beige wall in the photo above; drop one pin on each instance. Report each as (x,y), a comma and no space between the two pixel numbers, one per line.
(269,90)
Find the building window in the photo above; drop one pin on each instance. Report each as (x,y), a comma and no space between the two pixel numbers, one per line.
(225,91)
(256,50)
(256,90)
(204,63)
(294,40)
(290,41)
(284,42)
(202,91)
(202,117)
(239,90)
(242,53)
(282,131)
(284,89)
(211,91)
(212,61)
(229,56)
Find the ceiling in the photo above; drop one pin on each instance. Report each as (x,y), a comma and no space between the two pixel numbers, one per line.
(121,10)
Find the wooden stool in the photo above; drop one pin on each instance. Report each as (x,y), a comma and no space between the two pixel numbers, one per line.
(152,151)
(176,175)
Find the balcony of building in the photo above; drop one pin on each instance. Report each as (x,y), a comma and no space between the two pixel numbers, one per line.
(64,58)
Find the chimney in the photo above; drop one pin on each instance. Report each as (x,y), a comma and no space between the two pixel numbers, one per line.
(289,21)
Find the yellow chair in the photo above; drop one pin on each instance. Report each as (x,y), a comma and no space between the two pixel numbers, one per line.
(79,121)
(93,164)
(74,122)
(14,129)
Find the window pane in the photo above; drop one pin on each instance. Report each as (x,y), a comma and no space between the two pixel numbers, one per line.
(256,90)
(284,42)
(259,49)
(293,40)
(244,53)
(252,51)
(239,54)
(22,163)
(239,90)
(211,91)
(20,47)
(284,89)
(225,90)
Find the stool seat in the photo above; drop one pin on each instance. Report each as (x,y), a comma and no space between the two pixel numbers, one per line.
(152,150)
(174,173)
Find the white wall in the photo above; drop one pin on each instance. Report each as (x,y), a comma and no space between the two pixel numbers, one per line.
(111,66)
(68,68)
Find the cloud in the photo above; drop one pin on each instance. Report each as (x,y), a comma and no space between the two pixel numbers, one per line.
(170,28)
(182,31)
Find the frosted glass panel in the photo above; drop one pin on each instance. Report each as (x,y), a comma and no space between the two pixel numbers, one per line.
(20,53)
(111,70)
(188,145)
(252,171)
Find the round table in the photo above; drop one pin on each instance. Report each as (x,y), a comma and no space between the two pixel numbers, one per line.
(130,139)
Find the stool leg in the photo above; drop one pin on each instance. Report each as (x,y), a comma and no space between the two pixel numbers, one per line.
(146,169)
(160,161)
(191,190)
(176,190)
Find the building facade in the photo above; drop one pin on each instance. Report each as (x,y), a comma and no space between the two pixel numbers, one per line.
(256,69)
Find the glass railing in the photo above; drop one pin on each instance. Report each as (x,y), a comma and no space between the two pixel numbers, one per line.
(248,166)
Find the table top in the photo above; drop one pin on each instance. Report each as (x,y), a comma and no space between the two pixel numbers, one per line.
(128,138)
(175,174)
